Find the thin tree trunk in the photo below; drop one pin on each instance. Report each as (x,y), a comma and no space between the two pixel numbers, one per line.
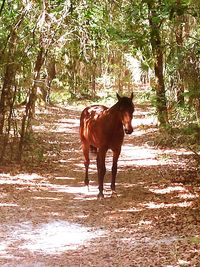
(93,79)
(155,40)
(8,94)
(2,6)
(33,95)
(10,71)
(30,106)
(179,41)
(7,134)
(51,74)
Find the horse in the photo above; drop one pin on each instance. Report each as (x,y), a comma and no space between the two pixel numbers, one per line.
(103,128)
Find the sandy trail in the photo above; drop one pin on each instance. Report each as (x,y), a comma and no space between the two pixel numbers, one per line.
(49,218)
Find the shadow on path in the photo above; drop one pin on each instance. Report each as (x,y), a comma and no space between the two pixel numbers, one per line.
(49,218)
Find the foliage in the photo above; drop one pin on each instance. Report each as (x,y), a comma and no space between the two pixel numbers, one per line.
(60,51)
(184,129)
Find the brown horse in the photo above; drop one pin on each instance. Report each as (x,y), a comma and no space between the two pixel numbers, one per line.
(102,128)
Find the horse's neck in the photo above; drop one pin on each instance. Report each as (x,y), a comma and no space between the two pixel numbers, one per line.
(114,109)
(115,115)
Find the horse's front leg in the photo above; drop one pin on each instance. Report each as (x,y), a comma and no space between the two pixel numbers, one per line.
(101,168)
(116,154)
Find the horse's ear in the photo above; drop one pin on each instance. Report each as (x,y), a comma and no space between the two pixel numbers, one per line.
(118,97)
(131,96)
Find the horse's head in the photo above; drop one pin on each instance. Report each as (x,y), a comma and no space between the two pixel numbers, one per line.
(126,107)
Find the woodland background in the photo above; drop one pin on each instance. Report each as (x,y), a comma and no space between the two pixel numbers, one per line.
(59,52)
(56,57)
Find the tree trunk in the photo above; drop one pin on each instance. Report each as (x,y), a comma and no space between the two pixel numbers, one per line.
(93,80)
(30,106)
(8,128)
(51,74)
(8,80)
(179,41)
(155,39)
(33,95)
(6,94)
(10,70)
(160,89)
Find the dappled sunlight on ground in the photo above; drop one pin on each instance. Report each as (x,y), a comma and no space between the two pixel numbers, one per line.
(64,178)
(34,182)
(8,205)
(48,217)
(138,132)
(153,205)
(54,237)
(133,209)
(21,179)
(182,191)
(138,156)
(66,126)
(144,117)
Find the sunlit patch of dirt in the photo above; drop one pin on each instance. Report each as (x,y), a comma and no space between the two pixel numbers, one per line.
(49,218)
(47,238)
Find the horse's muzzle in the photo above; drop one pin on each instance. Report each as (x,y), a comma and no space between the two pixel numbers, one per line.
(128,131)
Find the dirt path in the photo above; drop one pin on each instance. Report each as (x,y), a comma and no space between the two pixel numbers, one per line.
(48,218)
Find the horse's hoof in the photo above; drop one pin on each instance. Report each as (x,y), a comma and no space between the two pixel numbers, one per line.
(114,194)
(100,196)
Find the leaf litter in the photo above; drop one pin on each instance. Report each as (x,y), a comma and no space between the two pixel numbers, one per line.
(49,218)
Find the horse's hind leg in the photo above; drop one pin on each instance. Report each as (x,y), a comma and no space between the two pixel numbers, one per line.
(85,148)
(116,154)
(101,170)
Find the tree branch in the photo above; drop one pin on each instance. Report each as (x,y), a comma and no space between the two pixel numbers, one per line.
(2,6)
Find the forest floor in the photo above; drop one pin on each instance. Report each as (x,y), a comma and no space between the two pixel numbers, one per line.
(48,218)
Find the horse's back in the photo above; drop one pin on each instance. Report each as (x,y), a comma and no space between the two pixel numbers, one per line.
(92,111)
(88,118)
